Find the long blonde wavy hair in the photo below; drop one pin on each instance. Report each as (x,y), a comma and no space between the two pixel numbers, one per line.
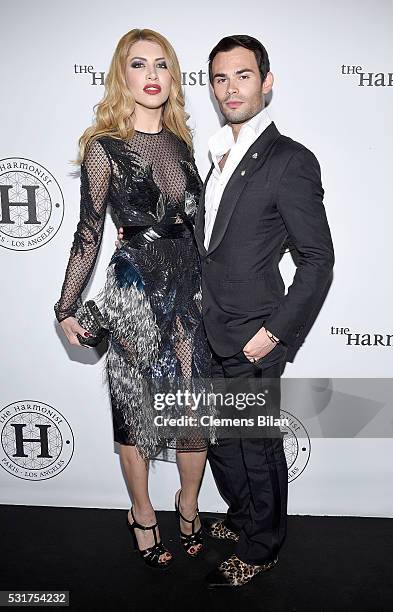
(114,115)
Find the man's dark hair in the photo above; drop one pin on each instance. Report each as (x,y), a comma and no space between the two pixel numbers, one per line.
(248,42)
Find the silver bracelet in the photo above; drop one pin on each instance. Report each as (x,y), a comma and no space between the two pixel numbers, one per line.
(271,337)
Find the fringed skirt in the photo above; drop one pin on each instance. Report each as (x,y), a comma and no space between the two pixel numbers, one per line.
(158,355)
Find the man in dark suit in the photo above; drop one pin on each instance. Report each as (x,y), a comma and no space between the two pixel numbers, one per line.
(263,188)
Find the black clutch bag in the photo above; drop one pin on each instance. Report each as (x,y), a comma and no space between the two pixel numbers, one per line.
(92,320)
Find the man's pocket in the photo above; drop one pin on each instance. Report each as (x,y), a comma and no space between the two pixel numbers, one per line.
(276,355)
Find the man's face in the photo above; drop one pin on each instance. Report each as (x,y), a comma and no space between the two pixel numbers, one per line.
(238,86)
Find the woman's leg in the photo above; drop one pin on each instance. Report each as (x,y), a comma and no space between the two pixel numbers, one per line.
(137,472)
(191,466)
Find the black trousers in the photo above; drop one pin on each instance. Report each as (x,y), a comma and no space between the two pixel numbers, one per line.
(251,473)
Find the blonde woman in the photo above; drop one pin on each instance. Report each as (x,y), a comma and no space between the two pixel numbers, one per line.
(138,156)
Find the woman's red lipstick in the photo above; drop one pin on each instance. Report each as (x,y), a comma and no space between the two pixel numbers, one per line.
(152,90)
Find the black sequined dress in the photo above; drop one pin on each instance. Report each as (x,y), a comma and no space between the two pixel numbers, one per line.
(152,294)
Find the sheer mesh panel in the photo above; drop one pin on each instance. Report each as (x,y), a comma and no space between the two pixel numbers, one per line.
(95,180)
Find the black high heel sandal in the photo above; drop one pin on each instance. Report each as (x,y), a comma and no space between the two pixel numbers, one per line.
(193,539)
(151,555)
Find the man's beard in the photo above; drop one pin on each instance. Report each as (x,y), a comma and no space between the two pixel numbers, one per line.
(239,115)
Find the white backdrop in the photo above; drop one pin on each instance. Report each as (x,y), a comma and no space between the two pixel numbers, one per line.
(343,114)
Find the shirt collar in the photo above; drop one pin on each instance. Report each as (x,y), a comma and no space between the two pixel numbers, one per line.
(223,139)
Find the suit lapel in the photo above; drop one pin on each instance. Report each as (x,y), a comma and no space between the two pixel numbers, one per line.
(253,159)
(199,231)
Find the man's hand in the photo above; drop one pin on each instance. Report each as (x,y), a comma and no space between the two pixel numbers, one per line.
(119,237)
(259,345)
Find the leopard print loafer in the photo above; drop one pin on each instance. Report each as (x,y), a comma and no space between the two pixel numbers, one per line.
(234,572)
(218,530)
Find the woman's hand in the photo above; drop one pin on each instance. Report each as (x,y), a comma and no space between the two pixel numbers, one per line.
(71,327)
(119,237)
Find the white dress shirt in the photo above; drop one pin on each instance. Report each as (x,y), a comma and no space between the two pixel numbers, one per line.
(219,144)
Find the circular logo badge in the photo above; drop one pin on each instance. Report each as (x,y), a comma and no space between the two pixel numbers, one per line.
(297,445)
(31,204)
(37,442)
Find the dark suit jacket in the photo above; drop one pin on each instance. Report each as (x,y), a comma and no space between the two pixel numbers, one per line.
(275,193)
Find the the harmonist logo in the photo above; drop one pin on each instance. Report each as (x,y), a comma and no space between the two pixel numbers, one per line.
(31,204)
(364,78)
(37,442)
(190,78)
(297,445)
(356,338)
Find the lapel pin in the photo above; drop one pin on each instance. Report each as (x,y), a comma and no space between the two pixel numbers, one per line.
(243,172)
(255,155)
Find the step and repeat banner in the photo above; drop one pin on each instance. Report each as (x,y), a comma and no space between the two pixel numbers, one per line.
(333,92)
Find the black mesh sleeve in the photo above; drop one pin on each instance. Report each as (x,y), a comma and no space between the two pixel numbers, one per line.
(94,191)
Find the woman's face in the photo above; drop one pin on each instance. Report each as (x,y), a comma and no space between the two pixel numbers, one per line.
(147,75)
